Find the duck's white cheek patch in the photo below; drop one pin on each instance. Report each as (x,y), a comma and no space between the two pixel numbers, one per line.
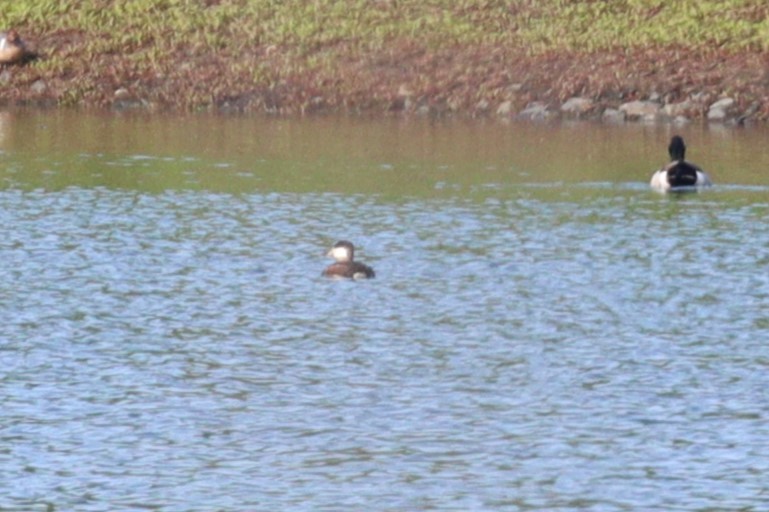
(339,253)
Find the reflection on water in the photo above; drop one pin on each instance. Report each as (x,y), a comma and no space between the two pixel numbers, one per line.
(349,155)
(544,333)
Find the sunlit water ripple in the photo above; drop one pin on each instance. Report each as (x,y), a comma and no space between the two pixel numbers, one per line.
(579,348)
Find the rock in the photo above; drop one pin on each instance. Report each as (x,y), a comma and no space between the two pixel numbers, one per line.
(38,87)
(752,109)
(505,108)
(716,114)
(700,97)
(482,106)
(644,110)
(613,115)
(125,99)
(719,110)
(577,106)
(405,91)
(674,110)
(535,111)
(723,103)
(424,110)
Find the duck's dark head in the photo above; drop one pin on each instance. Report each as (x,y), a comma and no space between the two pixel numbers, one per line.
(342,251)
(677,148)
(12,37)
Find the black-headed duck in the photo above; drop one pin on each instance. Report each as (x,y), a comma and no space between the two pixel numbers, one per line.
(679,174)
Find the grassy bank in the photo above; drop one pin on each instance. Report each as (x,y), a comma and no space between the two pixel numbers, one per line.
(381,55)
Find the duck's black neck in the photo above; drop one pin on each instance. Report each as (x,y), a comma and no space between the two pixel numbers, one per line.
(677,149)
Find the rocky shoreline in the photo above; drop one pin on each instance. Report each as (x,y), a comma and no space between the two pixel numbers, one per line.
(675,85)
(670,85)
(653,110)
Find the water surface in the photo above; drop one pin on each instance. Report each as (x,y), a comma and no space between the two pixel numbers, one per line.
(544,332)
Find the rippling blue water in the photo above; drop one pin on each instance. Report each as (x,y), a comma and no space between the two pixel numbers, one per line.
(539,348)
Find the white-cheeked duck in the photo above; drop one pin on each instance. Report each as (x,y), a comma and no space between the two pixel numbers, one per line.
(345,266)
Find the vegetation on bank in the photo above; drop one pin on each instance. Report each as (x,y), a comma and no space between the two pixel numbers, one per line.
(306,25)
(304,55)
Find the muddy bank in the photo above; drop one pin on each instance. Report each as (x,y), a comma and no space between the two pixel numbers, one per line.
(658,84)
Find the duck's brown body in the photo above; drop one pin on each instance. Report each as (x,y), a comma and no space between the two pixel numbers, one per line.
(12,49)
(345,267)
(349,270)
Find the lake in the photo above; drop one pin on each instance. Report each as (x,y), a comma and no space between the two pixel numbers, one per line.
(544,332)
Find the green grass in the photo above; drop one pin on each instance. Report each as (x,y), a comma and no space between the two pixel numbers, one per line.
(307,25)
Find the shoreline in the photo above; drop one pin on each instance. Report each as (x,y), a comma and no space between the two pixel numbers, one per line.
(666,85)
